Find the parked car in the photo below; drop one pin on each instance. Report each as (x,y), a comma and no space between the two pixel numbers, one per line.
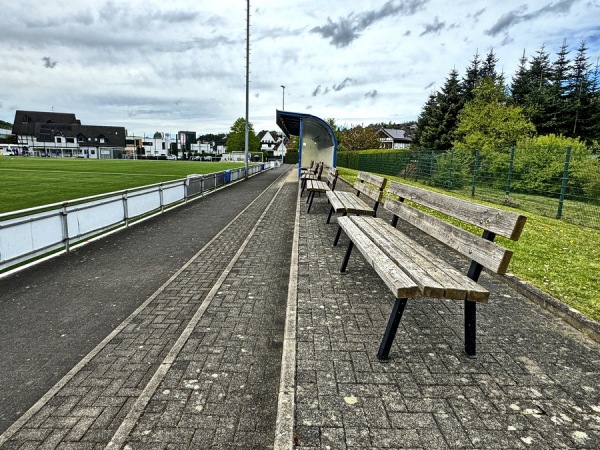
(173,157)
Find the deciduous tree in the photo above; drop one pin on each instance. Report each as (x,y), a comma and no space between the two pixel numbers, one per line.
(237,137)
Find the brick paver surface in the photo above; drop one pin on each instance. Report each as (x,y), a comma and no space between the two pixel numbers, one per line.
(221,388)
(534,384)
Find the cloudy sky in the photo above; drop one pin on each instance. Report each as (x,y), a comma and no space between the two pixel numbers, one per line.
(151,65)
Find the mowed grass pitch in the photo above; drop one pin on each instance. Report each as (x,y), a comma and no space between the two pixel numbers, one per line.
(26,182)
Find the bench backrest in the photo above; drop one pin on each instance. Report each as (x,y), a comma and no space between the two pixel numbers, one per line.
(319,170)
(492,221)
(332,176)
(370,185)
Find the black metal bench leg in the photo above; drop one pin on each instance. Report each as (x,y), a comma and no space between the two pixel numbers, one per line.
(311,196)
(337,236)
(391,329)
(346,257)
(330,213)
(470,328)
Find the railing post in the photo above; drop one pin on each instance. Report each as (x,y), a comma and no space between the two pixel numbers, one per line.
(563,185)
(125,209)
(160,194)
(201,185)
(65,225)
(509,175)
(185,189)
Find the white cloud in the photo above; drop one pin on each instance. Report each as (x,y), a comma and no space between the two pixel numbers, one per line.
(180,65)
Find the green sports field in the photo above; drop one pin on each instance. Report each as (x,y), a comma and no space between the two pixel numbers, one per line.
(26,182)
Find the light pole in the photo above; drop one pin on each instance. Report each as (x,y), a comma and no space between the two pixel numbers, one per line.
(283,98)
(247,126)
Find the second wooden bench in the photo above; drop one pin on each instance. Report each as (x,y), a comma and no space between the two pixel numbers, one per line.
(369,188)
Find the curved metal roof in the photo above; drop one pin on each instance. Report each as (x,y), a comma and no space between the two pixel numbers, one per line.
(289,122)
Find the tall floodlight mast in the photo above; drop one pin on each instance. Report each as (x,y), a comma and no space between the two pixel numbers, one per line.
(247,132)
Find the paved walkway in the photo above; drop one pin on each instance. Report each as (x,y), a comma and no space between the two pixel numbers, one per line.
(198,363)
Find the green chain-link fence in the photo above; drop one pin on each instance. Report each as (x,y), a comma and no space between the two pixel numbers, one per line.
(558,183)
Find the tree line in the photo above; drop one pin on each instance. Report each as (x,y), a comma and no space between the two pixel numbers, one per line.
(558,97)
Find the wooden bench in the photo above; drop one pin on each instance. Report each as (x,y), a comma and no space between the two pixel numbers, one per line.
(318,186)
(311,174)
(410,270)
(306,169)
(370,186)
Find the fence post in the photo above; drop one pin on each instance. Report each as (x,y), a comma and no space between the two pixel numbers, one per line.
(417,159)
(65,225)
(509,175)
(475,169)
(431,166)
(451,169)
(563,185)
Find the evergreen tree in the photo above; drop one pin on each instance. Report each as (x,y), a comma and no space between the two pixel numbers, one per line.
(579,93)
(521,83)
(488,67)
(472,76)
(592,129)
(539,101)
(560,110)
(450,103)
(428,124)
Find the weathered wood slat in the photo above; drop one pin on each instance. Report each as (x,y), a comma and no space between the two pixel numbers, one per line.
(488,254)
(334,200)
(434,276)
(349,203)
(374,194)
(394,278)
(375,180)
(317,186)
(499,221)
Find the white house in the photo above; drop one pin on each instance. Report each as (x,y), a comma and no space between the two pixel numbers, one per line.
(392,138)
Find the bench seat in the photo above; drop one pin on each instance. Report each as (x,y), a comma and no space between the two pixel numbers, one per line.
(349,203)
(369,188)
(317,186)
(433,276)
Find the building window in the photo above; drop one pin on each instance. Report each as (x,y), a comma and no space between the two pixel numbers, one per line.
(70,140)
(58,139)
(102,140)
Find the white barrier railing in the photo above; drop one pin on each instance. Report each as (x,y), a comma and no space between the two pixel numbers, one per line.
(34,232)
